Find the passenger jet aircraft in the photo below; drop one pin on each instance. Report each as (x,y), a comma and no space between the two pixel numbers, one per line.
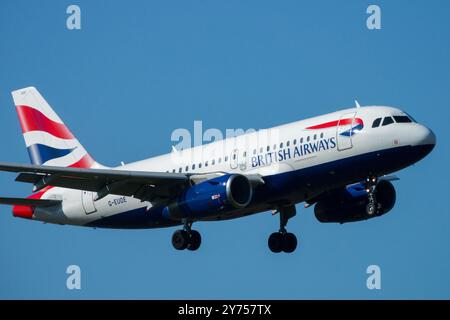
(338,162)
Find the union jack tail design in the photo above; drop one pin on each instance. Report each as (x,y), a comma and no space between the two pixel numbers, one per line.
(48,140)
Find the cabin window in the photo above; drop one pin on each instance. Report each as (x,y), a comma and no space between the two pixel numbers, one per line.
(206,163)
(260,150)
(402,119)
(199,165)
(226,159)
(213,162)
(254,151)
(307,138)
(281,145)
(193,167)
(234,156)
(187,168)
(376,123)
(315,137)
(288,143)
(245,154)
(180,169)
(321,135)
(268,148)
(301,140)
(294,142)
(173,171)
(220,160)
(274,147)
(387,120)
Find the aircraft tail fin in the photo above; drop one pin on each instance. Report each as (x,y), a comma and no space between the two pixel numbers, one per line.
(48,140)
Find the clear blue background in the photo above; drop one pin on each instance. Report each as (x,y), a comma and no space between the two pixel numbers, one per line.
(137,70)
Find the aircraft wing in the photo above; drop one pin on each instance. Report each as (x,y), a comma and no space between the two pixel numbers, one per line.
(147,186)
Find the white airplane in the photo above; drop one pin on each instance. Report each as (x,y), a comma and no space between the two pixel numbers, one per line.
(339,162)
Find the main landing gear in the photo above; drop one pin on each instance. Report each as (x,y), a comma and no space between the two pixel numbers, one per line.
(373,206)
(186,238)
(283,240)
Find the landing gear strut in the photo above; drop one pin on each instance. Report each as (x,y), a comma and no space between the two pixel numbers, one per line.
(373,206)
(283,240)
(186,238)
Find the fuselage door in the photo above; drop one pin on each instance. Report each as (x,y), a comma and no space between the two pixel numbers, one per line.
(87,199)
(234,161)
(344,131)
(242,161)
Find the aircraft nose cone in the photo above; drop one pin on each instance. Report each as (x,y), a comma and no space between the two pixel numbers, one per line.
(428,137)
(425,141)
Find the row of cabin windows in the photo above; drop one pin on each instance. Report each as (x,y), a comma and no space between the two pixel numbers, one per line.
(261,150)
(389,120)
(206,164)
(288,143)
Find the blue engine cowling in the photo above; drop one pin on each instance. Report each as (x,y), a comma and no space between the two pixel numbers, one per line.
(349,204)
(211,197)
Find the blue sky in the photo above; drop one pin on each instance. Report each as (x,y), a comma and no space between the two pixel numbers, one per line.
(137,70)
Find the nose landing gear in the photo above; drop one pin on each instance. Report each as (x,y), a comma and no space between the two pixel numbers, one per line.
(373,206)
(283,240)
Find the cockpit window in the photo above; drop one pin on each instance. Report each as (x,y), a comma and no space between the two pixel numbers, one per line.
(387,120)
(412,119)
(376,123)
(402,119)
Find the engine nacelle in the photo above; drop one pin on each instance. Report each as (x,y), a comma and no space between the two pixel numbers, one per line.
(211,197)
(349,204)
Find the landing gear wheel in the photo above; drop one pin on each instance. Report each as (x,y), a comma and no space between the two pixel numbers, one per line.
(180,239)
(195,239)
(283,240)
(276,242)
(289,242)
(286,242)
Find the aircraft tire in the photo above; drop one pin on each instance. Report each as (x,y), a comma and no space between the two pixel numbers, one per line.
(180,239)
(195,240)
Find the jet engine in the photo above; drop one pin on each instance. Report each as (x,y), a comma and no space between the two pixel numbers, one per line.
(211,197)
(349,204)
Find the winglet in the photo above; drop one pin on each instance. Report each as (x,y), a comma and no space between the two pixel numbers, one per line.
(357,104)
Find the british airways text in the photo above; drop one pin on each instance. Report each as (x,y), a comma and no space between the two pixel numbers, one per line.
(293,152)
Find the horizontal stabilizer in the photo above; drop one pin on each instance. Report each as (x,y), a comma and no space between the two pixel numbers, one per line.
(29,202)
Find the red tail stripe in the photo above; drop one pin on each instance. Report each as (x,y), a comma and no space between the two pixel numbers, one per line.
(85,162)
(33,120)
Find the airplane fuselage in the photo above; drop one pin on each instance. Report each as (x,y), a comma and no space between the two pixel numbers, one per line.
(297,162)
